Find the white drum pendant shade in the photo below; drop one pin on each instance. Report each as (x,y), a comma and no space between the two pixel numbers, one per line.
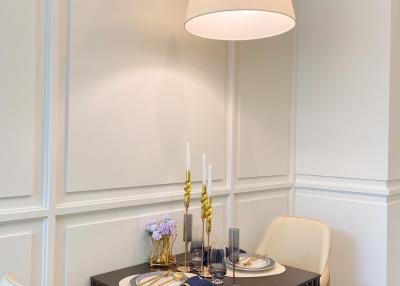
(237,20)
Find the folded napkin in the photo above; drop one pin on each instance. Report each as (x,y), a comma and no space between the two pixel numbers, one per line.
(197,281)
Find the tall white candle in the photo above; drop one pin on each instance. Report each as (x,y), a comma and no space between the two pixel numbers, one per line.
(209,186)
(204,171)
(187,156)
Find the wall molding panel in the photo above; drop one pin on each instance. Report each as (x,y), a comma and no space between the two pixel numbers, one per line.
(351,237)
(97,153)
(23,95)
(21,214)
(21,104)
(263,115)
(359,201)
(261,207)
(17,245)
(22,246)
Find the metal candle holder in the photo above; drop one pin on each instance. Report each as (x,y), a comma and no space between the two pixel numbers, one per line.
(234,250)
(187,234)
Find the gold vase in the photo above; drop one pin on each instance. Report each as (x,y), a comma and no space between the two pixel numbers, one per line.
(161,251)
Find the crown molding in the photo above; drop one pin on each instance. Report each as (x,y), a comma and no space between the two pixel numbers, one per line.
(346,185)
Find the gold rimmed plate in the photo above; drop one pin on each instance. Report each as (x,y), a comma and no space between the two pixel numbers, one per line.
(261,263)
(151,277)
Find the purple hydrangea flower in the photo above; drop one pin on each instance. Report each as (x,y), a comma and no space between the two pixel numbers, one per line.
(173,229)
(156,235)
(151,226)
(164,227)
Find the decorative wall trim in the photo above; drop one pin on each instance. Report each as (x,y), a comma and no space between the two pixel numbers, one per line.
(262,177)
(393,199)
(263,187)
(341,196)
(23,214)
(134,200)
(128,201)
(394,187)
(231,129)
(343,185)
(263,197)
(231,112)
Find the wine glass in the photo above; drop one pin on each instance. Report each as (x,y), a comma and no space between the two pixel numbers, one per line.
(217,264)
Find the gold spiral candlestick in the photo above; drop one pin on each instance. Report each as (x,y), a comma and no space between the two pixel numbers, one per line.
(204,202)
(186,202)
(188,190)
(209,216)
(204,206)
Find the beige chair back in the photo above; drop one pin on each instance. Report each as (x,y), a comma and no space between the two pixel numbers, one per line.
(299,242)
(9,280)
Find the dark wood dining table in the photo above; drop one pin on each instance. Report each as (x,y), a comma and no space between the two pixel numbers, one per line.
(291,277)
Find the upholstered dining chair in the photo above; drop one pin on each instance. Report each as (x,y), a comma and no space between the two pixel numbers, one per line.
(9,280)
(299,242)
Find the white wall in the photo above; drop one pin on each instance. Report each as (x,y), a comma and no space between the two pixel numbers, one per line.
(343,162)
(394,157)
(96,122)
(393,247)
(343,73)
(394,151)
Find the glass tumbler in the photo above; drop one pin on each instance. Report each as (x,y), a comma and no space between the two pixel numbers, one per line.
(217,264)
(197,258)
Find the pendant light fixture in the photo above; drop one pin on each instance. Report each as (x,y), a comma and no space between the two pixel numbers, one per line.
(237,20)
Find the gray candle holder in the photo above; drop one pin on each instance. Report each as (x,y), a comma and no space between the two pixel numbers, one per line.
(234,249)
(187,238)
